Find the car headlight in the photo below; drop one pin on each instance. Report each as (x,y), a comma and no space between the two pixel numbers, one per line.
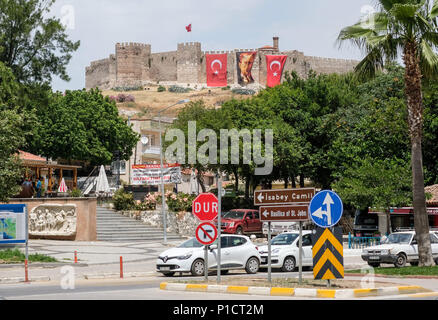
(185,257)
(275,251)
(231,224)
(365,251)
(385,252)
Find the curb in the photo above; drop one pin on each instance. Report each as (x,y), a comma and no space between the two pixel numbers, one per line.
(84,276)
(21,279)
(391,276)
(295,292)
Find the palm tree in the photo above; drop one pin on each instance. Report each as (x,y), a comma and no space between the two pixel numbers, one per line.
(407,28)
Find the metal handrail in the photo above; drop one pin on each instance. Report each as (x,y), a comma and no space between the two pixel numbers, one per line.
(362,242)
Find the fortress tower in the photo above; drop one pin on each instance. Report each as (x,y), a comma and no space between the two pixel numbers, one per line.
(189,62)
(132,62)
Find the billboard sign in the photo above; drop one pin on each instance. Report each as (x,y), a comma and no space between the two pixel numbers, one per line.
(13,224)
(150,174)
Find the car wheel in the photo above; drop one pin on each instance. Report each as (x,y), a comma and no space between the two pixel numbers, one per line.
(168,274)
(400,261)
(414,263)
(252,265)
(374,264)
(289,264)
(239,231)
(198,268)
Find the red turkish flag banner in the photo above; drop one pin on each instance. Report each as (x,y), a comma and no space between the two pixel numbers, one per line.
(275,66)
(189,28)
(216,70)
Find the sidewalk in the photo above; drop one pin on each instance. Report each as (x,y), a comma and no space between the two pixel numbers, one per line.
(94,258)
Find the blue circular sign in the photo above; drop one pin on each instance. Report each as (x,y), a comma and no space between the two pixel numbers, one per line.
(326,209)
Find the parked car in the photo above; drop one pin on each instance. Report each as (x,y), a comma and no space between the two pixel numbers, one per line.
(285,251)
(237,252)
(398,249)
(241,221)
(279,227)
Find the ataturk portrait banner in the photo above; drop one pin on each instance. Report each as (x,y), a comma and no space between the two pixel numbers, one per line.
(216,70)
(245,61)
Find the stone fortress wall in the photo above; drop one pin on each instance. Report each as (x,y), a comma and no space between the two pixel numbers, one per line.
(133,64)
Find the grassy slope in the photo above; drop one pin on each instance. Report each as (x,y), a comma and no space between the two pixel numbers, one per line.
(149,102)
(406,271)
(16,256)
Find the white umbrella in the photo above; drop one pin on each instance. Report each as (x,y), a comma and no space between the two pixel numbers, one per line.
(102,185)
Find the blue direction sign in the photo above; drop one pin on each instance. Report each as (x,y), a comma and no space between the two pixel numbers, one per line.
(326,209)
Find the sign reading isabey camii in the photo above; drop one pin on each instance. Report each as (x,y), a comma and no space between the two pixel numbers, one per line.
(150,174)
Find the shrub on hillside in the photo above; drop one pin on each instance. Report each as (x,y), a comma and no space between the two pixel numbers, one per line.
(241,91)
(161,89)
(177,89)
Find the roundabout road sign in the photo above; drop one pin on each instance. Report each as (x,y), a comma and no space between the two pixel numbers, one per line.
(206,233)
(326,209)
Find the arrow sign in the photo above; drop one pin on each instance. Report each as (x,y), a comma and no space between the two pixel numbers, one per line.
(283,196)
(284,213)
(326,209)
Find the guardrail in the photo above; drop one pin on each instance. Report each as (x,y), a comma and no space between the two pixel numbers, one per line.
(362,242)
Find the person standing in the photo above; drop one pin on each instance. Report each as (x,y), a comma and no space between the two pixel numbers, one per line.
(39,187)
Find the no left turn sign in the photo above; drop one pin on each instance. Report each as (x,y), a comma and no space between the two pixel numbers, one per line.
(206,233)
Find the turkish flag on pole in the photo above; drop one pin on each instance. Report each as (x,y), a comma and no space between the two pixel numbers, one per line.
(189,28)
(274,65)
(216,70)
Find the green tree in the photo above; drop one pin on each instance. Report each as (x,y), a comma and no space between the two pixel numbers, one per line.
(83,125)
(407,26)
(11,136)
(379,183)
(34,46)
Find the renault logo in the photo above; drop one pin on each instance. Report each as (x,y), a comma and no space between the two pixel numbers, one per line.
(165,259)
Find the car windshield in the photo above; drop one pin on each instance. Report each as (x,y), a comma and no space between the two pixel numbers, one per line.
(234,215)
(192,243)
(397,238)
(284,239)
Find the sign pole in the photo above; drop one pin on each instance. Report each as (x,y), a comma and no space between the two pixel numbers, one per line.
(269,253)
(206,263)
(219,229)
(300,255)
(26,271)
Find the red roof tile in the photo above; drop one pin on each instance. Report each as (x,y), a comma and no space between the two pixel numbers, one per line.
(30,157)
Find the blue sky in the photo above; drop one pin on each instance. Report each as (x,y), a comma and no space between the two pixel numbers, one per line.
(310,26)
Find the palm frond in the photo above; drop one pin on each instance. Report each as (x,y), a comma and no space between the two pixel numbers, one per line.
(428,60)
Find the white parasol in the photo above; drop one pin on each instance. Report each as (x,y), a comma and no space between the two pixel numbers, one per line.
(102,185)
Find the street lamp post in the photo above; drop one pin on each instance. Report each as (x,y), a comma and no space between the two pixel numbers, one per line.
(163,199)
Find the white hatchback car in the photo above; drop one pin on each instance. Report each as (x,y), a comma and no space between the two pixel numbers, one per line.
(398,249)
(285,251)
(237,252)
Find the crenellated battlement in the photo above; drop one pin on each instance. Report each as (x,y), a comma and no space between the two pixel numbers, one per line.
(134,63)
(132,45)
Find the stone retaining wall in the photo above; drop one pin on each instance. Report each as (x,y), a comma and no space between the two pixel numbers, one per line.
(183,223)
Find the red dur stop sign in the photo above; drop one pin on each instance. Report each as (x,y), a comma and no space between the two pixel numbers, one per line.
(205,207)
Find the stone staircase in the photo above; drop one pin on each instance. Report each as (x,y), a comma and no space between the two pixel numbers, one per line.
(112,226)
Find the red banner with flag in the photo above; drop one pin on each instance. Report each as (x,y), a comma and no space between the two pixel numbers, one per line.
(216,70)
(274,65)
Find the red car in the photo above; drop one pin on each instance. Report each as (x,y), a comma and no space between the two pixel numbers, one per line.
(241,221)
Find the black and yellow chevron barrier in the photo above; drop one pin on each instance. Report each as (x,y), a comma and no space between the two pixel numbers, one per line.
(328,254)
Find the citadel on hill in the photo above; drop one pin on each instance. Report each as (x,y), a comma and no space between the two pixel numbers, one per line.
(134,64)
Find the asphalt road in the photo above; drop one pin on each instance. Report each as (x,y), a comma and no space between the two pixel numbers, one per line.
(142,289)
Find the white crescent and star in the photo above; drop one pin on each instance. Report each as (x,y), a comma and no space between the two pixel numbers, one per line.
(274,63)
(213,63)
